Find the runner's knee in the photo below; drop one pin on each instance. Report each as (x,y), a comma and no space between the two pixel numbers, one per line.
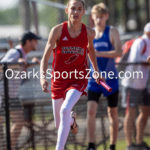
(91,112)
(64,111)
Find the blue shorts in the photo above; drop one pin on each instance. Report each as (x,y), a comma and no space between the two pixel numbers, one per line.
(113,83)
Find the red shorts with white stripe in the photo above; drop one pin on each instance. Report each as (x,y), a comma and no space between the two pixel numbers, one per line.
(59,88)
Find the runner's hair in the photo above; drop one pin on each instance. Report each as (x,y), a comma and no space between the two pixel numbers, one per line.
(99,9)
(82,1)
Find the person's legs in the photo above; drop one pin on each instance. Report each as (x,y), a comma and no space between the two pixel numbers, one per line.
(91,122)
(18,122)
(141,123)
(93,98)
(57,103)
(142,120)
(112,111)
(131,98)
(72,96)
(2,143)
(129,124)
(113,119)
(1,123)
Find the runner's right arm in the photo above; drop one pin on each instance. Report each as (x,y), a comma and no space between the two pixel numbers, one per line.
(52,40)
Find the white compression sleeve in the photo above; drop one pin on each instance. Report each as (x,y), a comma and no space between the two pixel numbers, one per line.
(56,110)
(72,97)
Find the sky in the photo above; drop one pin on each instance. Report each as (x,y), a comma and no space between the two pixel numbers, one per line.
(5,4)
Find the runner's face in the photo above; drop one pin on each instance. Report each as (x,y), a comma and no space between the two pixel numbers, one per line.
(99,19)
(75,11)
(34,44)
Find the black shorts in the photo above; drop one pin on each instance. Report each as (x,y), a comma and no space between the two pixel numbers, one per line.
(135,97)
(111,99)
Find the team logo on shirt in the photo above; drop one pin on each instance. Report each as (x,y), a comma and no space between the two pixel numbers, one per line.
(72,50)
(71,59)
(65,39)
(101,44)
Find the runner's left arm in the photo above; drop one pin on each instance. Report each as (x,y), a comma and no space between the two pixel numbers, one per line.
(91,54)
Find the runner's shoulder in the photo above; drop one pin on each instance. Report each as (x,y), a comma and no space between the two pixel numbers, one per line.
(90,32)
(113,29)
(57,29)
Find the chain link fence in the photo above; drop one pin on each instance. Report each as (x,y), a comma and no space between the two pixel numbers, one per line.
(26,119)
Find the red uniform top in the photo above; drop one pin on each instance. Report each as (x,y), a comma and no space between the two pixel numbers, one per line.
(69,55)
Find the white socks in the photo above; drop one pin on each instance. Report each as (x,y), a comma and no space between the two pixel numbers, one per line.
(62,110)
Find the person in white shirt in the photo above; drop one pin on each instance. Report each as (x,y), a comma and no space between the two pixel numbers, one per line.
(28,43)
(135,93)
(148,59)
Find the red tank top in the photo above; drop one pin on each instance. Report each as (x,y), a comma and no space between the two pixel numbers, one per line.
(71,53)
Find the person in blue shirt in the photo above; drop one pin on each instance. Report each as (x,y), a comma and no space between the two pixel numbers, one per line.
(107,47)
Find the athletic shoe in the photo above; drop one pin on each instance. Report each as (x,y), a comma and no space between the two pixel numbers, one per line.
(143,146)
(74,126)
(132,147)
(90,149)
(110,149)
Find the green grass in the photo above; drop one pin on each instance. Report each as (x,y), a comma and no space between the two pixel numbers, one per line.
(120,146)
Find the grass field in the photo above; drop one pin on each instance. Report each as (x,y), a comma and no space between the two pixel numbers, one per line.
(120,146)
